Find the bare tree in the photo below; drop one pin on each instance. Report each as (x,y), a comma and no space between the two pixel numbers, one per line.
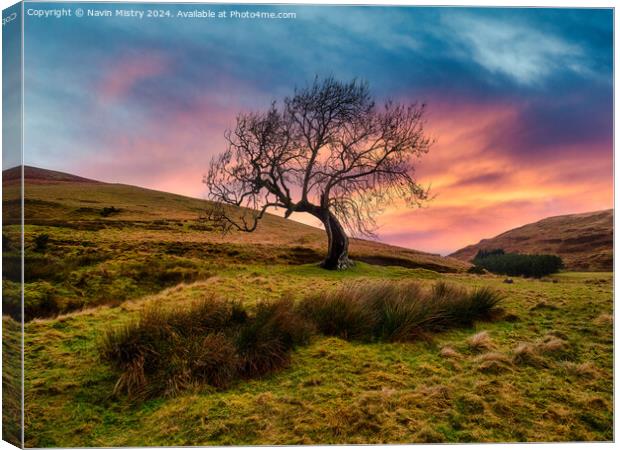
(329,151)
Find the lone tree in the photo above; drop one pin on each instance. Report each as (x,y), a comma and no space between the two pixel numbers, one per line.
(328,151)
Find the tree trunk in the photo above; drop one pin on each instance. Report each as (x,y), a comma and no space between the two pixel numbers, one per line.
(338,244)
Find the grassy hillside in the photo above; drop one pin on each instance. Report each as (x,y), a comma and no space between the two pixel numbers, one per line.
(583,241)
(105,243)
(542,372)
(62,200)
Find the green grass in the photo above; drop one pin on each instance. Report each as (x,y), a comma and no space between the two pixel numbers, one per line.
(542,373)
(342,392)
(11,381)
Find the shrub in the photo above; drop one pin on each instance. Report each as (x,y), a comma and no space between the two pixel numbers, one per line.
(515,264)
(395,311)
(476,270)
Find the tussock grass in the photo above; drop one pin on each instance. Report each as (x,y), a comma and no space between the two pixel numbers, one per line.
(264,343)
(449,352)
(526,354)
(396,311)
(480,342)
(542,353)
(168,350)
(493,362)
(553,345)
(604,319)
(585,370)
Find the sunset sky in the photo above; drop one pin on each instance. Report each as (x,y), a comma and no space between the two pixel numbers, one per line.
(520,100)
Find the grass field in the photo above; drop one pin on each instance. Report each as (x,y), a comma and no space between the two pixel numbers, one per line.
(336,391)
(542,372)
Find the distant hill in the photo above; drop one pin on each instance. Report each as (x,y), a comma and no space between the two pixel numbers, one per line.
(69,201)
(583,241)
(36,175)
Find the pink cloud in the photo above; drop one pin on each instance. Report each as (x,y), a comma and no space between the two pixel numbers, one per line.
(129,71)
(170,155)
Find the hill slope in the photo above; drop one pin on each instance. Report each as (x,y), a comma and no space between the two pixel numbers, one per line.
(59,199)
(34,174)
(583,241)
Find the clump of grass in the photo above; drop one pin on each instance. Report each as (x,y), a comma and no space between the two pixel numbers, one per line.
(40,242)
(470,404)
(586,370)
(264,343)
(543,352)
(526,354)
(339,312)
(449,352)
(556,348)
(480,342)
(493,362)
(553,345)
(396,311)
(604,319)
(153,353)
(168,350)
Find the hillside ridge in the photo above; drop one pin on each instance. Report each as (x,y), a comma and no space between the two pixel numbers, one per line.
(60,199)
(583,240)
(36,174)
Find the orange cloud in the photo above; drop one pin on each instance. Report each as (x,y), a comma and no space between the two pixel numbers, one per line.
(483,191)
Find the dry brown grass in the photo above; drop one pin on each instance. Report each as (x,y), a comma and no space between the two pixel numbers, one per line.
(546,352)
(493,362)
(527,354)
(553,345)
(449,352)
(429,435)
(587,370)
(480,342)
(604,319)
